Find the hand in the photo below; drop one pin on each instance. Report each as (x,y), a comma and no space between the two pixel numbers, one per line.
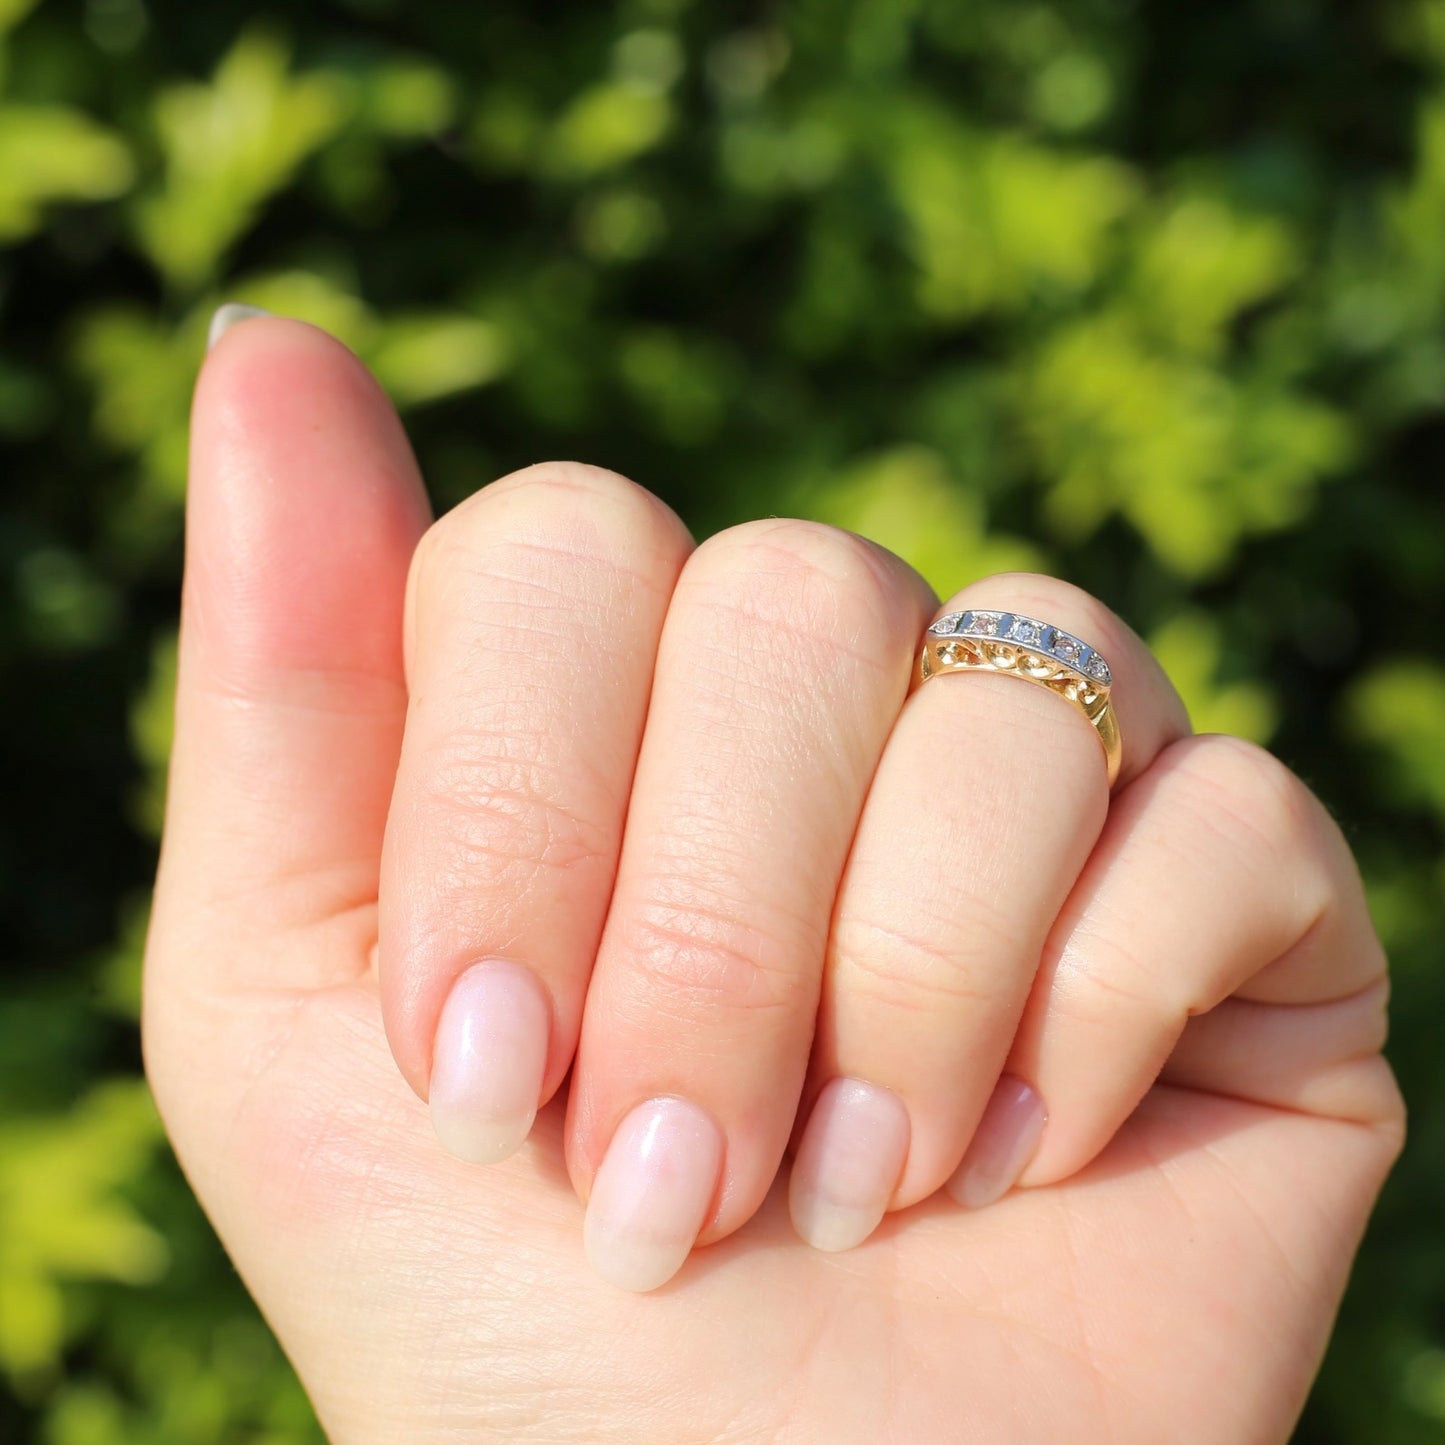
(396,838)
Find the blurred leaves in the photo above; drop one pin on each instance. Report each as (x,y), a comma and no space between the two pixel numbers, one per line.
(1200,264)
(48,154)
(1400,708)
(1192,650)
(1149,297)
(62,1219)
(422,358)
(1193,459)
(906,500)
(152,728)
(12,11)
(604,127)
(227,147)
(996,222)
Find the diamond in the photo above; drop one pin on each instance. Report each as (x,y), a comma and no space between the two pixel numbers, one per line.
(1067,649)
(1098,669)
(1025,629)
(984,624)
(948,624)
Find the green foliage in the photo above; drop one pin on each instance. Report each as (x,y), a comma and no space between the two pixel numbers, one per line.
(995,221)
(228,147)
(905,499)
(1148,296)
(1192,648)
(49,154)
(62,1218)
(1400,708)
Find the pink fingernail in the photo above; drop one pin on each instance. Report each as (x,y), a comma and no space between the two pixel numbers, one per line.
(652,1193)
(848,1163)
(1007,1136)
(488,1061)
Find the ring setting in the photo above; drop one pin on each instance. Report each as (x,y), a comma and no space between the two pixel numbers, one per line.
(1012,644)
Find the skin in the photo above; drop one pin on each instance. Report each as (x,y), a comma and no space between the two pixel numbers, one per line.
(760,865)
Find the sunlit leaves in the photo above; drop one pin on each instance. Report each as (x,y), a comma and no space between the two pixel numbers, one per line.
(13,11)
(49,154)
(1194,458)
(682,383)
(228,146)
(420,358)
(62,1217)
(142,372)
(1199,265)
(618,118)
(1399,708)
(606,126)
(1191,647)
(995,221)
(65,607)
(907,500)
(151,729)
(407,98)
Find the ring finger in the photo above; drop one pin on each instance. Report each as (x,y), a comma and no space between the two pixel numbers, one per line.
(984,809)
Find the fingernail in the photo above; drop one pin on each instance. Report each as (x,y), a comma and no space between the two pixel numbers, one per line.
(488,1061)
(1005,1141)
(652,1193)
(848,1163)
(227,316)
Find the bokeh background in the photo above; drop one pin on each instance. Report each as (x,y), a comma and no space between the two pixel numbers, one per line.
(1148,294)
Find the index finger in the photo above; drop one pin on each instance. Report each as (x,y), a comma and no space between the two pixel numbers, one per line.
(534,615)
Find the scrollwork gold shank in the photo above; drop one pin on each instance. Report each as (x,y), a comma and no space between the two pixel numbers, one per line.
(991,654)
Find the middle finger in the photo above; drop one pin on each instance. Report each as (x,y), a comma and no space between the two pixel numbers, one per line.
(784,660)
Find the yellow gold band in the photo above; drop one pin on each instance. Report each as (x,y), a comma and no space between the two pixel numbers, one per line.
(1038,652)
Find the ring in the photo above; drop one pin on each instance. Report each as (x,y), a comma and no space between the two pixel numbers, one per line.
(1035,651)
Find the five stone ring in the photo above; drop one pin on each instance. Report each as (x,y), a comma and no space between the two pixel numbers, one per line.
(1038,652)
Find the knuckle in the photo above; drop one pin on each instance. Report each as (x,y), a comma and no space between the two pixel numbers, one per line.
(695,956)
(1243,796)
(563,512)
(806,576)
(568,486)
(1245,788)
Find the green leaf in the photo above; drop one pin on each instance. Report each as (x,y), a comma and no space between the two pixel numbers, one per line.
(995,221)
(605,127)
(229,147)
(12,12)
(906,500)
(62,1216)
(422,358)
(49,154)
(1200,264)
(1191,649)
(1399,709)
(1193,459)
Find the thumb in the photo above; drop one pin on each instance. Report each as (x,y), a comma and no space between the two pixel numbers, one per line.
(304,507)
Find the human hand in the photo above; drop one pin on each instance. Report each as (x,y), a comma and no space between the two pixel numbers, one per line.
(819,878)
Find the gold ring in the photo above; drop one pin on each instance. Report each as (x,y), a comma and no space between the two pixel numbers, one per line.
(1036,651)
